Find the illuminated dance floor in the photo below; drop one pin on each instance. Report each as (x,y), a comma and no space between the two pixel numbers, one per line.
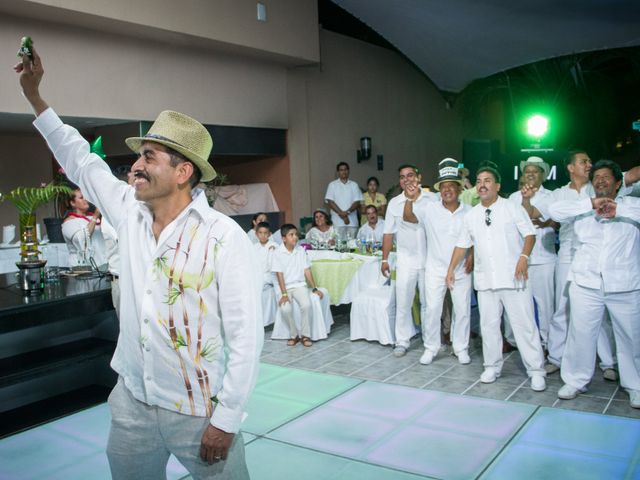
(316,425)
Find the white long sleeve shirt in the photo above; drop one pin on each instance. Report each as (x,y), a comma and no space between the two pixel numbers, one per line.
(606,250)
(497,247)
(190,328)
(442,229)
(544,251)
(411,242)
(566,233)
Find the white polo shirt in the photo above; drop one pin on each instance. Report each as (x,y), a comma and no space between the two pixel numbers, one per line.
(291,264)
(442,229)
(343,194)
(411,242)
(606,250)
(497,247)
(544,251)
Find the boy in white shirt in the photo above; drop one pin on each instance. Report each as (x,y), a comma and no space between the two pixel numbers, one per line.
(265,248)
(292,268)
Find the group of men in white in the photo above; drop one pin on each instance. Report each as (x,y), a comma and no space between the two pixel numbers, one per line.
(565,306)
(507,248)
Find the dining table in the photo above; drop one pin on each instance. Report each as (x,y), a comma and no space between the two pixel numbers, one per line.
(345,274)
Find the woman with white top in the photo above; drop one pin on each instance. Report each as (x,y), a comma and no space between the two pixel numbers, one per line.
(321,231)
(83,233)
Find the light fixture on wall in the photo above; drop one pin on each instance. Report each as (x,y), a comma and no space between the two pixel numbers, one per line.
(365,149)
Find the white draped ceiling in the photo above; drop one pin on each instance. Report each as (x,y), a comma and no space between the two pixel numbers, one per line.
(457,41)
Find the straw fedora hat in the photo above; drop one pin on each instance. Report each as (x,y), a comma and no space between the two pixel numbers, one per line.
(537,162)
(183,134)
(447,172)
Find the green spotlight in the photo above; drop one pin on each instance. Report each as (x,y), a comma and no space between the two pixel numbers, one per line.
(537,126)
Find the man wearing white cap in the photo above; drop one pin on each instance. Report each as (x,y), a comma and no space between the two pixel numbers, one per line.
(190,319)
(442,223)
(411,255)
(602,277)
(502,237)
(543,257)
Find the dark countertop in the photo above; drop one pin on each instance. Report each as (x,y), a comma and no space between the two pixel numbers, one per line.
(67,297)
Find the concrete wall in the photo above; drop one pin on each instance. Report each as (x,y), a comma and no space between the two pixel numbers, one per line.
(357,90)
(363,90)
(26,162)
(96,74)
(290,32)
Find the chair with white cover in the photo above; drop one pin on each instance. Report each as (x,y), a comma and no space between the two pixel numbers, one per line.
(269,305)
(321,318)
(373,314)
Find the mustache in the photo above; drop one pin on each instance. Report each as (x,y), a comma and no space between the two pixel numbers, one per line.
(141,174)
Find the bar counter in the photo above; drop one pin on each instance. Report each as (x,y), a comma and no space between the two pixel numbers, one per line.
(55,348)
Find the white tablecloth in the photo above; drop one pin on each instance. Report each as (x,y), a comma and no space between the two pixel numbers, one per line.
(56,255)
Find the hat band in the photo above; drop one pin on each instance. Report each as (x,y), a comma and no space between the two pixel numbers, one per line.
(449,171)
(165,139)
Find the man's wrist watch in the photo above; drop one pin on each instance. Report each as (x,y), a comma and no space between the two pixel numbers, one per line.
(314,289)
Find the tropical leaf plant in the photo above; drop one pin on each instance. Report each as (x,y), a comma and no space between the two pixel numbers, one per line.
(28,199)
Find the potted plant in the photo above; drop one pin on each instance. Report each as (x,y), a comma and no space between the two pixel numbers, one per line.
(28,199)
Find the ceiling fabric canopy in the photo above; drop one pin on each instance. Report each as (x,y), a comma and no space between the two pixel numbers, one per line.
(457,41)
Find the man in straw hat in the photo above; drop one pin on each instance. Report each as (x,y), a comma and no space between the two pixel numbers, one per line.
(442,222)
(502,237)
(190,326)
(543,256)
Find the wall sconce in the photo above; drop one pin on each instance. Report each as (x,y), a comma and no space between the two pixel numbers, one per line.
(365,149)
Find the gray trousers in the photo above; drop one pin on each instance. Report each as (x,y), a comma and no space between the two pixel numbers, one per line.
(142,438)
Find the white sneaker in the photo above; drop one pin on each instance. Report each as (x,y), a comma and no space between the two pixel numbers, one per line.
(610,374)
(464,358)
(567,392)
(399,351)
(427,357)
(551,368)
(634,398)
(489,375)
(538,383)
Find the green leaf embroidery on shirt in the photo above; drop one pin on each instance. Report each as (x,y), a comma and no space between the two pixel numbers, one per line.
(172,296)
(180,341)
(210,349)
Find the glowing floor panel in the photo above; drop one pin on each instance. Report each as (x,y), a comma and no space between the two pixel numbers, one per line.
(316,426)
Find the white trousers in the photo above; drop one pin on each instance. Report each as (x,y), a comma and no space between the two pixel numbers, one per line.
(542,287)
(299,295)
(560,322)
(518,304)
(587,311)
(406,281)
(461,316)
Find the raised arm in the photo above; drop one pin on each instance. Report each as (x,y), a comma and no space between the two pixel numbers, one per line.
(31,73)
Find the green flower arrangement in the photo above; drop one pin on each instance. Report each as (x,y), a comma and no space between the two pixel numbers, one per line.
(27,200)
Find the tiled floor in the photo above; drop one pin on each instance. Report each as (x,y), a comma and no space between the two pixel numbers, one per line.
(350,410)
(372,361)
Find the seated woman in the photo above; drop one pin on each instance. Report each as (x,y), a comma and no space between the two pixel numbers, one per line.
(83,234)
(321,231)
(372,197)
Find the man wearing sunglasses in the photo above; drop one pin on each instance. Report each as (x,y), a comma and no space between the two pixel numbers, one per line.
(503,237)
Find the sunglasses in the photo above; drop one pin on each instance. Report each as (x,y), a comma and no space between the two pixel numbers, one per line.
(487,217)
